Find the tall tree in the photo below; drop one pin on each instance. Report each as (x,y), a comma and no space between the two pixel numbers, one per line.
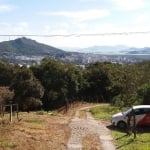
(130,82)
(144,88)
(62,82)
(98,82)
(6,73)
(27,88)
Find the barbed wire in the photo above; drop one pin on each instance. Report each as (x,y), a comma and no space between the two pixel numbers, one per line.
(75,35)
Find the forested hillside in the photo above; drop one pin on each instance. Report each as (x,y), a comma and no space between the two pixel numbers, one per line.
(53,84)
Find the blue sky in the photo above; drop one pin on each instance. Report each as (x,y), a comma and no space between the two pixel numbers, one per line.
(77,17)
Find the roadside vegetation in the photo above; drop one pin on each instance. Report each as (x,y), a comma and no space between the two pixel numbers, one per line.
(121,139)
(53,84)
(104,112)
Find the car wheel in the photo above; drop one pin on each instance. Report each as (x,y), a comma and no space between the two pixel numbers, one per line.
(121,125)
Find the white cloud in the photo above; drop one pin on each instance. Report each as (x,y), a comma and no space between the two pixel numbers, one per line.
(140,40)
(129,4)
(6,8)
(137,40)
(21,28)
(17,28)
(4,24)
(80,15)
(56,28)
(140,18)
(13,29)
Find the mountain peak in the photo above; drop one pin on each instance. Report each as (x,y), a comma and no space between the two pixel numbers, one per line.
(25,46)
(25,40)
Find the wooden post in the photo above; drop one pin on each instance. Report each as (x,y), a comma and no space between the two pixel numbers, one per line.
(11,113)
(17,111)
(134,124)
(1,109)
(129,131)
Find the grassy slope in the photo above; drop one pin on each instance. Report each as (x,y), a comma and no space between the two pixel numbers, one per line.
(34,131)
(37,130)
(123,142)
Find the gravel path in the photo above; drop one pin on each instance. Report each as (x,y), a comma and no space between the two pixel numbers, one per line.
(82,127)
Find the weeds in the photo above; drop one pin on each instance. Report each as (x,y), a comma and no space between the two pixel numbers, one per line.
(82,114)
(38,121)
(5,144)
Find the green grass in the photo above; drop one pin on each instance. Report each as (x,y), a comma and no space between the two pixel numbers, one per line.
(122,141)
(104,112)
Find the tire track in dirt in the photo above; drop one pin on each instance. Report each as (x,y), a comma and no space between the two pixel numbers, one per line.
(82,127)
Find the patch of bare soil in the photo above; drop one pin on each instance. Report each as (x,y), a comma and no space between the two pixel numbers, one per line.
(106,122)
(91,142)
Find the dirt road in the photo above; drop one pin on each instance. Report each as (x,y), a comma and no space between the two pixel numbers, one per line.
(82,127)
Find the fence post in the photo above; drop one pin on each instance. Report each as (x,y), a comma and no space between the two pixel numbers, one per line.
(129,131)
(11,113)
(17,111)
(1,109)
(134,123)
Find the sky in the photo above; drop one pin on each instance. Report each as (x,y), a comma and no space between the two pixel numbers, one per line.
(67,17)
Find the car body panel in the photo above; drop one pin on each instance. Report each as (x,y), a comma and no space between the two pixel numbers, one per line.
(142,116)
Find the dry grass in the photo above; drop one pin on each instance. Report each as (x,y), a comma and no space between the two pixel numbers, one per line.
(34,134)
(91,142)
(37,130)
(82,114)
(75,106)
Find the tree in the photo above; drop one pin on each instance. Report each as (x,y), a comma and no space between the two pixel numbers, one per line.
(130,82)
(74,80)
(27,88)
(98,83)
(144,88)
(6,73)
(5,95)
(144,93)
(51,74)
(62,82)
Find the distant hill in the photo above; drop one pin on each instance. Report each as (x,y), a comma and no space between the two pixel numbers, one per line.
(145,50)
(102,49)
(111,50)
(28,47)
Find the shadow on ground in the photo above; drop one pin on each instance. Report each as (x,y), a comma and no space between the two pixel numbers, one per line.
(139,130)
